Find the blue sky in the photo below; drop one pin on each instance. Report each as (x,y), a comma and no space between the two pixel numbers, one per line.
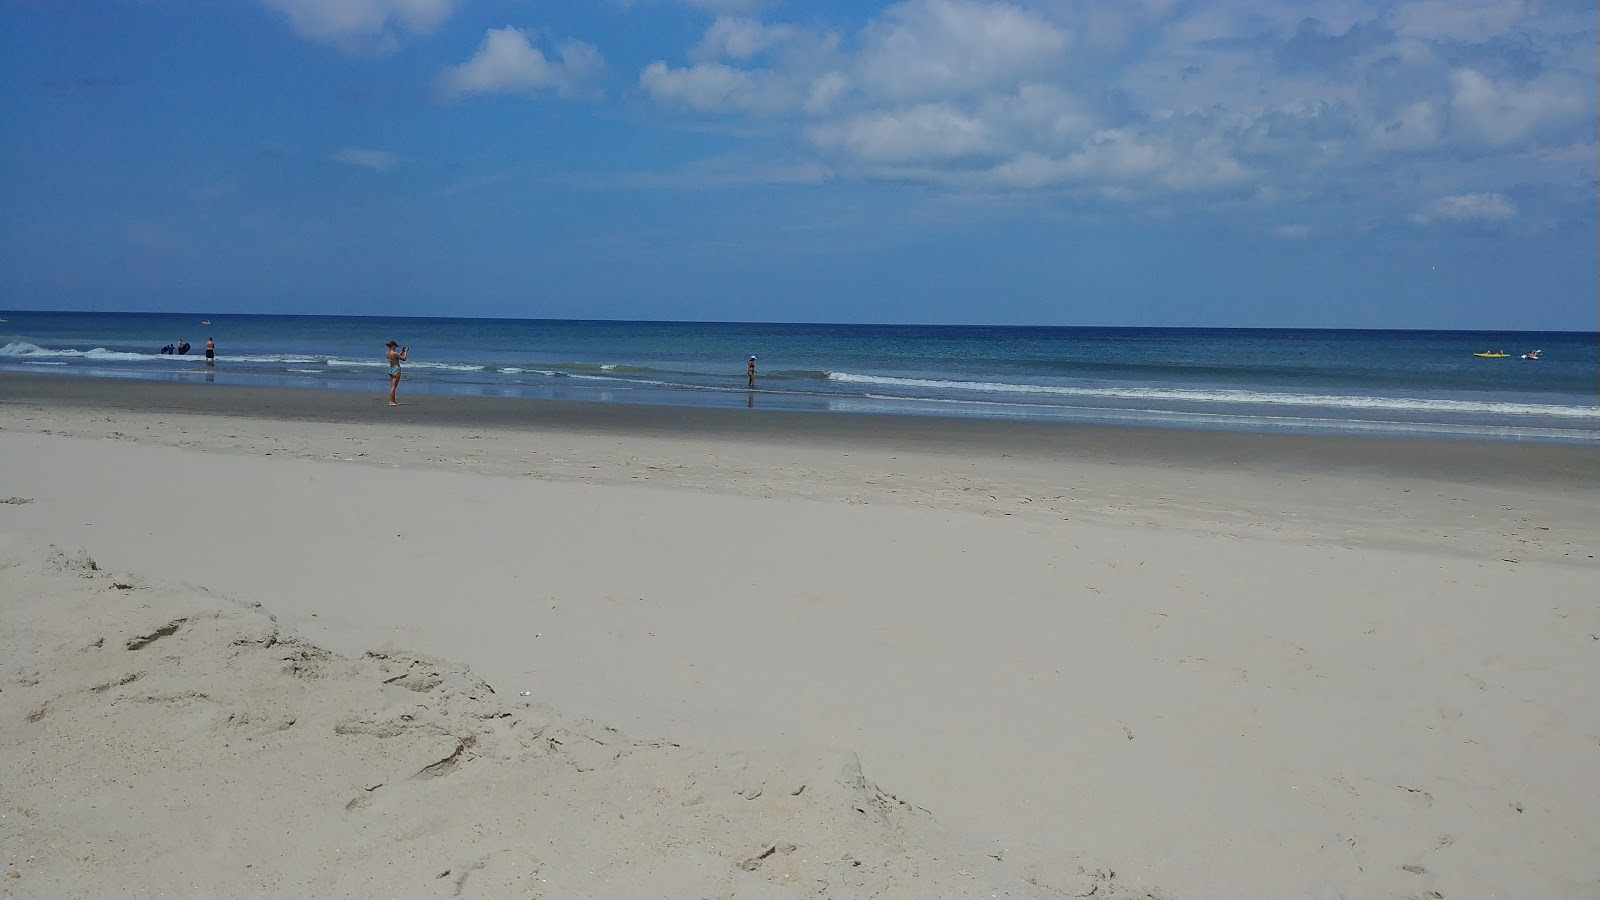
(1427,164)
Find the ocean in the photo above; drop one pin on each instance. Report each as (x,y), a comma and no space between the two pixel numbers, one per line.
(1415,383)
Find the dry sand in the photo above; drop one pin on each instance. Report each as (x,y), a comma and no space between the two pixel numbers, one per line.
(1224,665)
(166,741)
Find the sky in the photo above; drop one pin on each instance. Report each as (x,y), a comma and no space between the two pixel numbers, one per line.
(1321,163)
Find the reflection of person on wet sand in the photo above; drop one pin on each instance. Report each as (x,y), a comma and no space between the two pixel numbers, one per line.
(750,371)
(396,355)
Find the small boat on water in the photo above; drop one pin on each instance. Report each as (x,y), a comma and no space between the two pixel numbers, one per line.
(1532,354)
(1498,354)
(205,321)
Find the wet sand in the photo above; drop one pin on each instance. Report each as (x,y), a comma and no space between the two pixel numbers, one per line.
(1501,462)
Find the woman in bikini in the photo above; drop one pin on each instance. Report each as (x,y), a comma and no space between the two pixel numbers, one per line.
(396,355)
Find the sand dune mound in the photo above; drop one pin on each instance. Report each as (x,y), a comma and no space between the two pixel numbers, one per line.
(159,738)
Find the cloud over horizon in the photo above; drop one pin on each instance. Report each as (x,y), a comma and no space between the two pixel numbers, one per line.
(1163,101)
(1151,102)
(1484,208)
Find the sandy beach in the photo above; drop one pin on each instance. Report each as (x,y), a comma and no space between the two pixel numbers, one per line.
(491,648)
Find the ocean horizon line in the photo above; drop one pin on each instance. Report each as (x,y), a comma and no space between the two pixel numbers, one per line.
(1259,329)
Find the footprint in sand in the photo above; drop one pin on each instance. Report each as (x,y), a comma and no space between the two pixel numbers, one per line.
(1213,669)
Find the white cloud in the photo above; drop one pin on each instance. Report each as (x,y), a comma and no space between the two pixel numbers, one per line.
(1417,127)
(1486,209)
(1105,28)
(740,38)
(1122,158)
(1040,115)
(922,132)
(715,87)
(1029,170)
(376,160)
(1035,116)
(507,62)
(339,20)
(825,91)
(582,65)
(1457,20)
(1496,114)
(930,48)
(1393,102)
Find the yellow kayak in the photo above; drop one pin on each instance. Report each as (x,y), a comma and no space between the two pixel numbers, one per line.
(1491,355)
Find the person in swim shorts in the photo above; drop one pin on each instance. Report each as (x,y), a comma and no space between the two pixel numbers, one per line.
(750,372)
(396,355)
(211,351)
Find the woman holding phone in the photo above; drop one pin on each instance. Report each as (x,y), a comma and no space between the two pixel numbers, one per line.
(396,355)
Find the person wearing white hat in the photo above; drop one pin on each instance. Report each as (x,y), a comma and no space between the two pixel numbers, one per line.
(750,371)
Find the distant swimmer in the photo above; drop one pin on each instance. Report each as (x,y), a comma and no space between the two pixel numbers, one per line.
(211,351)
(396,355)
(168,350)
(750,372)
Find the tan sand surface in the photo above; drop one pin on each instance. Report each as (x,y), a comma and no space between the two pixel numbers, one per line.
(165,741)
(1269,671)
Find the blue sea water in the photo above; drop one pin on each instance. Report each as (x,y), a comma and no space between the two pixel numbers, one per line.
(1393,382)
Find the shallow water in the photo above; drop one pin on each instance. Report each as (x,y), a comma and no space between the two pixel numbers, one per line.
(1393,382)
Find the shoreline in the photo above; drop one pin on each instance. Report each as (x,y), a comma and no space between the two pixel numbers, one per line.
(1453,459)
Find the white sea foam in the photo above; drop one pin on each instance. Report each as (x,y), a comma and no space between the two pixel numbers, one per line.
(101,354)
(275,358)
(336,362)
(1135,415)
(448,367)
(614,380)
(1335,401)
(33,351)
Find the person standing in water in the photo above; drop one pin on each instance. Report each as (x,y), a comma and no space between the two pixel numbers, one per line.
(750,372)
(211,352)
(396,355)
